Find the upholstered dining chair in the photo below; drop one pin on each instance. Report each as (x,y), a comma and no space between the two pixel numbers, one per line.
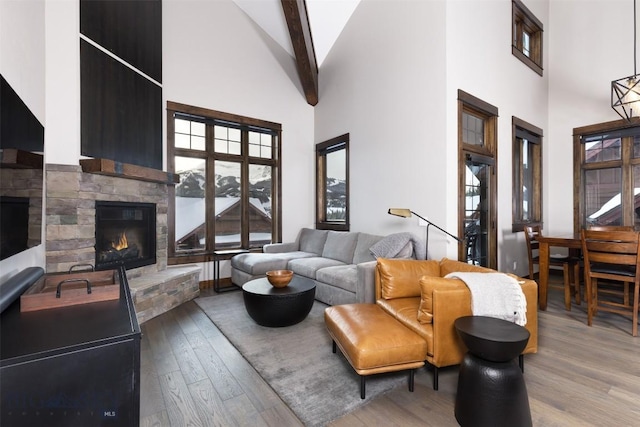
(612,256)
(570,265)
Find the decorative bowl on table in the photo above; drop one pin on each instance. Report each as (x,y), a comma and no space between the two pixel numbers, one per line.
(279,278)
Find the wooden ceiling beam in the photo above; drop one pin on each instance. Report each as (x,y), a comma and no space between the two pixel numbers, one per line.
(295,12)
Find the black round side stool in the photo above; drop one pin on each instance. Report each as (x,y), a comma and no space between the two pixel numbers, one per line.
(491,388)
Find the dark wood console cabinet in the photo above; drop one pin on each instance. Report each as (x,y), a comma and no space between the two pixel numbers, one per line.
(72,366)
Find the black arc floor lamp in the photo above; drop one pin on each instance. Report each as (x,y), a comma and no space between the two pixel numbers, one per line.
(406,213)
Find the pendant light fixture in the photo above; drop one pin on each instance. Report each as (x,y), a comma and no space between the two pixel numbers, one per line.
(625,92)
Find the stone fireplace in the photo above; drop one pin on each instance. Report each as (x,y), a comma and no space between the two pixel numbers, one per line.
(73,198)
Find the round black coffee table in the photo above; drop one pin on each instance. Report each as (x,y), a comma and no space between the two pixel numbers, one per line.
(491,388)
(276,307)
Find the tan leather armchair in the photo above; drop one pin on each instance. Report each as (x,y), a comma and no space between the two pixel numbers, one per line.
(417,294)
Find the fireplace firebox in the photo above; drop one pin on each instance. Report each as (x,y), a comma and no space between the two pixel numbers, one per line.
(14,225)
(125,234)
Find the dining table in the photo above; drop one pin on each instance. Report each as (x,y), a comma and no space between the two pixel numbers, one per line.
(570,241)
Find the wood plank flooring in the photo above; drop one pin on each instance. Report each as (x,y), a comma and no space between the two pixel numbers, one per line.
(192,376)
(581,376)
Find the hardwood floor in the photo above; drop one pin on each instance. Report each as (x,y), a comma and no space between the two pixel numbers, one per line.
(192,376)
(581,376)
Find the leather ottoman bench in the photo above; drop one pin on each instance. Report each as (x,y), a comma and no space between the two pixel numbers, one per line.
(373,341)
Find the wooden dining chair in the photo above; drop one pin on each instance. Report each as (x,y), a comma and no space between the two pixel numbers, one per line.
(613,257)
(570,265)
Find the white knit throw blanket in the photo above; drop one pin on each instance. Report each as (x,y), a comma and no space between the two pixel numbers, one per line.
(495,295)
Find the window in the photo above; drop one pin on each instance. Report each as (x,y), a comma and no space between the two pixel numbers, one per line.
(228,195)
(477,142)
(609,173)
(527,36)
(527,174)
(332,184)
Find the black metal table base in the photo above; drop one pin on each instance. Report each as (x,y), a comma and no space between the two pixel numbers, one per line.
(217,256)
(218,289)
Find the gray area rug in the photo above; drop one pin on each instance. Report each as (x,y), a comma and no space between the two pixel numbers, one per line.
(297,361)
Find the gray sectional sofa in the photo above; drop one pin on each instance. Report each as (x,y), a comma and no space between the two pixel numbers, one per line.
(341,263)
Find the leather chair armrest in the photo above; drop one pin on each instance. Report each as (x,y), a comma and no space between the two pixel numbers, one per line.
(451,299)
(530,289)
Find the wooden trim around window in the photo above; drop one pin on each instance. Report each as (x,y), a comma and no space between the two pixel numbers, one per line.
(276,130)
(579,167)
(321,222)
(470,104)
(206,112)
(523,17)
(537,178)
(477,103)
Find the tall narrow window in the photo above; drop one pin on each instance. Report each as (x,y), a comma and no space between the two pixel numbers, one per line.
(228,195)
(527,174)
(527,36)
(477,183)
(332,184)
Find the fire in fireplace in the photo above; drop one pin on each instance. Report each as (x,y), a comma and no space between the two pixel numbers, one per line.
(125,234)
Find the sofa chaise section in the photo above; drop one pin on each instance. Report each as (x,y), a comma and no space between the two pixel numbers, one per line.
(249,266)
(340,263)
(276,256)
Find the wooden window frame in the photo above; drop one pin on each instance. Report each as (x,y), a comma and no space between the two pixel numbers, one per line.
(470,104)
(322,149)
(520,126)
(211,156)
(626,164)
(525,21)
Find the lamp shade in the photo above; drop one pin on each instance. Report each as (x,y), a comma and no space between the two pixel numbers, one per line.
(625,92)
(404,213)
(625,96)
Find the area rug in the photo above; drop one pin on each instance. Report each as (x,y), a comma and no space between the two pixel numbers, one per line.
(297,361)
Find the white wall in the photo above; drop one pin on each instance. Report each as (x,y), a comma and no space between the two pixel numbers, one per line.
(22,51)
(62,132)
(22,63)
(382,82)
(592,45)
(480,62)
(392,82)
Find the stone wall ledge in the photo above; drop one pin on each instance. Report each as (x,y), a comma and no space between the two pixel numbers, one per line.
(157,293)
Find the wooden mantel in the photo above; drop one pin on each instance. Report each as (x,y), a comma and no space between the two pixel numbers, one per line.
(12,158)
(126,170)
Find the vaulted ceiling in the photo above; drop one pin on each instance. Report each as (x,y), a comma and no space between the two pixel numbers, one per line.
(306,29)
